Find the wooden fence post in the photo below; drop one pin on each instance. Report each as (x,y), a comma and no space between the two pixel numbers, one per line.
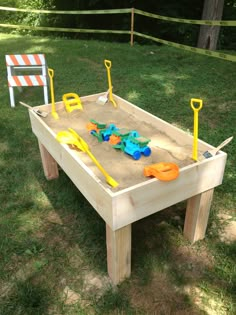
(132,28)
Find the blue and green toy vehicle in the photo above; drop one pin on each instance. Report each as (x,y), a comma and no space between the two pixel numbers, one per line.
(104,133)
(134,145)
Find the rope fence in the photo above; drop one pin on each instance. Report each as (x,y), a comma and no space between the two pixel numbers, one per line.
(131,32)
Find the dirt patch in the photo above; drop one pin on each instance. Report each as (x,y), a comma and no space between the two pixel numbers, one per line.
(192,262)
(94,284)
(71,297)
(228,233)
(159,297)
(53,217)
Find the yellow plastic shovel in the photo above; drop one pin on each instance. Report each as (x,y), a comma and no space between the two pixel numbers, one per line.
(51,75)
(71,137)
(68,138)
(108,66)
(195,109)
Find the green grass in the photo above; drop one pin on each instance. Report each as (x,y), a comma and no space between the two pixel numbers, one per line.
(50,237)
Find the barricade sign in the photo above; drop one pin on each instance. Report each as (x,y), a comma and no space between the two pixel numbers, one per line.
(21,63)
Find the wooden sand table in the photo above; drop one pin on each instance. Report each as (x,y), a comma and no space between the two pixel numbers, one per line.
(136,196)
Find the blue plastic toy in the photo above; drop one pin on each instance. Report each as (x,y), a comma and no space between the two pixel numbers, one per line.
(104,134)
(134,145)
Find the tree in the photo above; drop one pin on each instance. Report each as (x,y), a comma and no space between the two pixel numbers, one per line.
(208,35)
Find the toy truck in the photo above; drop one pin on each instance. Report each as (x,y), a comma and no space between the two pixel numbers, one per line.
(100,131)
(118,135)
(93,125)
(134,145)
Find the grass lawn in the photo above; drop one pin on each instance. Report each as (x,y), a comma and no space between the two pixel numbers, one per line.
(52,242)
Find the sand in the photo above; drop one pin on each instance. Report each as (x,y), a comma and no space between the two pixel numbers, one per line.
(121,166)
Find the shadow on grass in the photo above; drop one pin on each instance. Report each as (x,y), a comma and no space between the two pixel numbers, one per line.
(171,276)
(162,261)
(27,298)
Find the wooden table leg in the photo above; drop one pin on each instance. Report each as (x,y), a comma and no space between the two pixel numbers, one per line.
(118,253)
(197,214)
(49,164)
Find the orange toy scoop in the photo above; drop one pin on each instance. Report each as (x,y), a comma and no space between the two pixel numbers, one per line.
(114,139)
(91,126)
(163,171)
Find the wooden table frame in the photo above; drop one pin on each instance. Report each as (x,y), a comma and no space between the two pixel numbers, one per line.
(120,209)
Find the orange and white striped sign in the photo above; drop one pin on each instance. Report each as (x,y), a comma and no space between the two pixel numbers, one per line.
(25,60)
(16,63)
(27,80)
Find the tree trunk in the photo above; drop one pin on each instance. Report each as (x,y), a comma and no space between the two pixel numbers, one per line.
(208,35)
